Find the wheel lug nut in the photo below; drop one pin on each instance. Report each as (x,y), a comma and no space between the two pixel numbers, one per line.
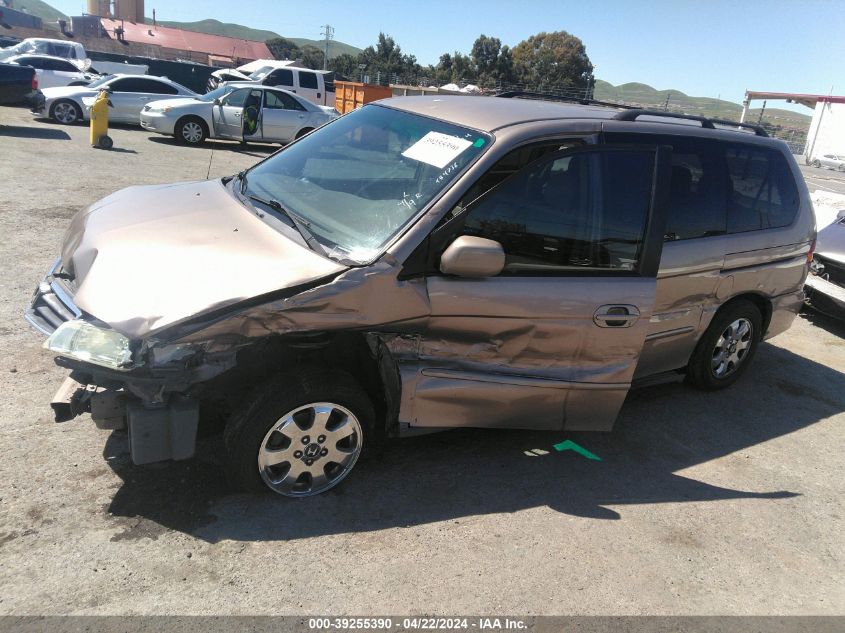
(297,454)
(306,440)
(324,452)
(321,439)
(308,462)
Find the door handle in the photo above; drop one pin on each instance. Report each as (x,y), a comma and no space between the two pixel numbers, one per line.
(237,115)
(621,315)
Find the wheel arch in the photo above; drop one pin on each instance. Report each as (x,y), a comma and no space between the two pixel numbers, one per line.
(365,357)
(196,117)
(763,304)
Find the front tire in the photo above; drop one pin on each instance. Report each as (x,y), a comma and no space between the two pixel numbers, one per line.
(299,435)
(303,132)
(725,351)
(817,163)
(66,112)
(191,131)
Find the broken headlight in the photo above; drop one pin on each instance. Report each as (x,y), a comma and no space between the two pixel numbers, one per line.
(87,342)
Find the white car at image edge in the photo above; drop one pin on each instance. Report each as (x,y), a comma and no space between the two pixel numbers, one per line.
(128,94)
(237,111)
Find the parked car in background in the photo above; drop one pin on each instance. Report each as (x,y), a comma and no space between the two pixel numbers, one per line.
(315,85)
(426,262)
(17,84)
(243,72)
(44,46)
(825,287)
(54,71)
(128,94)
(242,111)
(830,161)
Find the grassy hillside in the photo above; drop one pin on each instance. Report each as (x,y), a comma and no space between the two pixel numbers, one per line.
(643,94)
(41,10)
(215,27)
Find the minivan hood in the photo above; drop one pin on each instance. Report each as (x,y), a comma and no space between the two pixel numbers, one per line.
(146,257)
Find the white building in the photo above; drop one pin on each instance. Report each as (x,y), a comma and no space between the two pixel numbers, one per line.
(827,129)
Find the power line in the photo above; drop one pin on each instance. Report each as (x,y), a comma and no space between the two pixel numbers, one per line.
(328,33)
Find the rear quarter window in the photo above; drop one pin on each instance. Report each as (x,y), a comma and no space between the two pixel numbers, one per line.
(763,194)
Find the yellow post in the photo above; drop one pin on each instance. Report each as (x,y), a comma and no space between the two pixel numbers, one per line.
(100,121)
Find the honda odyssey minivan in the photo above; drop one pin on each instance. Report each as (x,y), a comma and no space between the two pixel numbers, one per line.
(426,262)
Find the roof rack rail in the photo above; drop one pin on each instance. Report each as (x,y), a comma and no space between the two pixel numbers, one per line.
(548,96)
(759,130)
(710,124)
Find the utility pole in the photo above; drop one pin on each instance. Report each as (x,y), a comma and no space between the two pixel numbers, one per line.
(666,104)
(762,110)
(328,33)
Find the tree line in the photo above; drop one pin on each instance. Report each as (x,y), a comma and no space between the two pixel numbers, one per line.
(545,61)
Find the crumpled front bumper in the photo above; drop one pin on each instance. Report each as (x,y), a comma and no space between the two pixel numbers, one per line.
(52,303)
(825,295)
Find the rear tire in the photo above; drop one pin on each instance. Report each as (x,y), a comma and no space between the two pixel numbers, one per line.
(817,163)
(66,112)
(727,348)
(303,132)
(281,422)
(190,131)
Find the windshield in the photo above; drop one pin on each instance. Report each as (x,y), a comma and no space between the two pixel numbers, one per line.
(100,81)
(359,180)
(220,92)
(260,73)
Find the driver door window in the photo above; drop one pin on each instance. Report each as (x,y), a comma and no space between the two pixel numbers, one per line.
(577,211)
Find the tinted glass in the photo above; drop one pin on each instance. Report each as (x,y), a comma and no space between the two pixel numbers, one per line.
(697,200)
(281,77)
(280,101)
(307,80)
(762,192)
(581,211)
(35,62)
(64,66)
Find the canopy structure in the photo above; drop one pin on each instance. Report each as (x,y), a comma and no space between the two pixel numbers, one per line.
(790,97)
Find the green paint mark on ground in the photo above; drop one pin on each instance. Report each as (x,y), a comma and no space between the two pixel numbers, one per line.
(569,445)
(479,143)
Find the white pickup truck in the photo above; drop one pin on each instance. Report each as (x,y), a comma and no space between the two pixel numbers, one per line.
(315,85)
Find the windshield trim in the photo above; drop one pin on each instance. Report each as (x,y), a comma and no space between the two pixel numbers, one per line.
(412,220)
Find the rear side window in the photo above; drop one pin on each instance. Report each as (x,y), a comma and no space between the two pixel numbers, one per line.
(307,80)
(280,77)
(697,191)
(763,193)
(35,62)
(281,101)
(581,211)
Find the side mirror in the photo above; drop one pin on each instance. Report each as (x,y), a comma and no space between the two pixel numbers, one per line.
(217,101)
(470,256)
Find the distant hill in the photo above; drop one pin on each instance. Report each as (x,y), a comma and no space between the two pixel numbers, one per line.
(41,10)
(215,27)
(643,94)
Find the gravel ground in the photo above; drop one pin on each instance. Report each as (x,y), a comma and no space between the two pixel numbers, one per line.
(727,503)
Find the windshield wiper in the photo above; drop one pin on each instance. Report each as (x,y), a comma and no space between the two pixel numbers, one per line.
(300,224)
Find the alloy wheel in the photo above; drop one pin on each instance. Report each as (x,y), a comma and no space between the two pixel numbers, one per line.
(731,348)
(310,449)
(65,112)
(192,132)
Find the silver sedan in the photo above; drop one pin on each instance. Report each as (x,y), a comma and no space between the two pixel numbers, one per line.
(830,161)
(127,95)
(237,111)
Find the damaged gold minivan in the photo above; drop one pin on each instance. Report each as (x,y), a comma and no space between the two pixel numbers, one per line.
(426,262)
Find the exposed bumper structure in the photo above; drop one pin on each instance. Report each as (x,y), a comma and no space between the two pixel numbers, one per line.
(52,303)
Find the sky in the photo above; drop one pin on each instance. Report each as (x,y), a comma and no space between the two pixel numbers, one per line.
(711,48)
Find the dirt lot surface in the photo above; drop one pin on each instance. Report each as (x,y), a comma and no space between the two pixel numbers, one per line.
(728,503)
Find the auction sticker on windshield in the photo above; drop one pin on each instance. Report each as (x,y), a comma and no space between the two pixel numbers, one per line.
(436,148)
